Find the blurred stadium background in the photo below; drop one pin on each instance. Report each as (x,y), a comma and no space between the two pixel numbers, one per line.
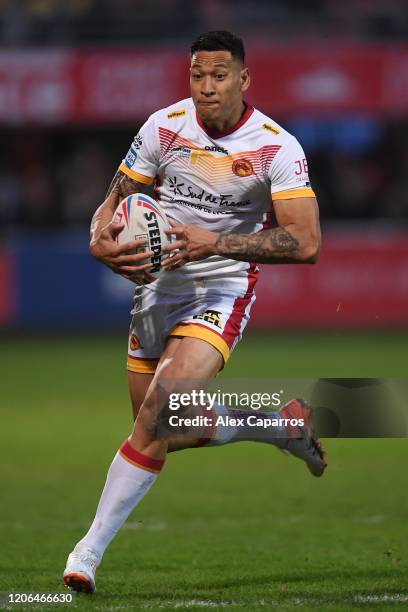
(77,79)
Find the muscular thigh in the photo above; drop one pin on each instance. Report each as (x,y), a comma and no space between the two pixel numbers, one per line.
(189,358)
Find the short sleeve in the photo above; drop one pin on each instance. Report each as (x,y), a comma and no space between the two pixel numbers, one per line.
(142,159)
(289,173)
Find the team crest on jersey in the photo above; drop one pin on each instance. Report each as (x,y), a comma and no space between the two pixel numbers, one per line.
(134,343)
(242,167)
(210,316)
(175,114)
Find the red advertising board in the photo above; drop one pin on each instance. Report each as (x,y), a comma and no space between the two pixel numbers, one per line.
(328,79)
(361,280)
(111,86)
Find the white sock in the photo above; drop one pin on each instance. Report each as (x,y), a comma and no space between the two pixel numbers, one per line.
(225,433)
(129,478)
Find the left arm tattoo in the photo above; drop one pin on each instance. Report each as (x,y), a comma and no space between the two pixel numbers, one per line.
(268,246)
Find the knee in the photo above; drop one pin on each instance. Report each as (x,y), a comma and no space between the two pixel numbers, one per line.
(153,414)
(147,417)
(153,419)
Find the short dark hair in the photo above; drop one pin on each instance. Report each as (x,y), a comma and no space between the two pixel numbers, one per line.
(220,40)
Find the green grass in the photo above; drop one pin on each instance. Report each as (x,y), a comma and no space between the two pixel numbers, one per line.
(239,528)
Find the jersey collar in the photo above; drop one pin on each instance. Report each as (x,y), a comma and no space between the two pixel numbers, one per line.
(213,134)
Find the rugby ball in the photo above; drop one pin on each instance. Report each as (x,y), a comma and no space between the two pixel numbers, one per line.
(144,218)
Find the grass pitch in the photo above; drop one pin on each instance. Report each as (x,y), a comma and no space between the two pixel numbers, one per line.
(237,528)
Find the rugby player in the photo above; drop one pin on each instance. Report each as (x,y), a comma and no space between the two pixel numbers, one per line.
(218,167)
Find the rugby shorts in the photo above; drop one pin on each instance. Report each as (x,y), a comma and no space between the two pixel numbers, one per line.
(216,312)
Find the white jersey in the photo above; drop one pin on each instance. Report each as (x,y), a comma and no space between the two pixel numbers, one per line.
(220,182)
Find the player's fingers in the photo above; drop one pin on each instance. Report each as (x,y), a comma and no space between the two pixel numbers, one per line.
(176,265)
(136,269)
(173,246)
(114,229)
(171,260)
(129,260)
(127,247)
(176,230)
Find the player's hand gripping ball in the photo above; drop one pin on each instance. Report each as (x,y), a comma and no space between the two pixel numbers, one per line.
(144,218)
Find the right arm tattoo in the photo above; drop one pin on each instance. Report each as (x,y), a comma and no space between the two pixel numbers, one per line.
(123,185)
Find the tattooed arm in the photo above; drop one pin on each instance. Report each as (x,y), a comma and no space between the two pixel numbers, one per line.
(121,186)
(275,245)
(295,240)
(103,244)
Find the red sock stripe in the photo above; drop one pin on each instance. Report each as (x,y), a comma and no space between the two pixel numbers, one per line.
(139,459)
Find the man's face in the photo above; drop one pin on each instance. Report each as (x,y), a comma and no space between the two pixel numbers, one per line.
(217,81)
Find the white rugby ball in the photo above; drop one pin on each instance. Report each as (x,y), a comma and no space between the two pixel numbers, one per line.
(144,218)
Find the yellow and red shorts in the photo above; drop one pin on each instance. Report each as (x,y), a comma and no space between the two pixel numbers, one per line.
(215,312)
